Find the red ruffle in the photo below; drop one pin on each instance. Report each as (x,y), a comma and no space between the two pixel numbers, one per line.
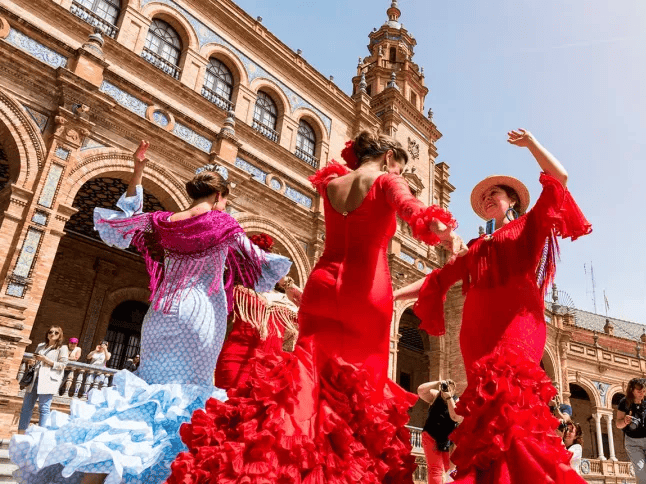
(253,439)
(429,307)
(329,172)
(563,213)
(508,434)
(421,222)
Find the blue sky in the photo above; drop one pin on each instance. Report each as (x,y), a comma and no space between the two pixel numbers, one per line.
(573,73)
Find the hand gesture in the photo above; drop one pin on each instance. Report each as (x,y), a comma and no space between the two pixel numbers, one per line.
(628,419)
(522,138)
(140,156)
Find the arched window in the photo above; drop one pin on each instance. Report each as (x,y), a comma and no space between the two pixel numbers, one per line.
(265,116)
(306,144)
(392,54)
(218,84)
(99,13)
(163,48)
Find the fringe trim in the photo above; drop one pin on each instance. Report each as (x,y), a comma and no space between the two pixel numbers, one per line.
(255,310)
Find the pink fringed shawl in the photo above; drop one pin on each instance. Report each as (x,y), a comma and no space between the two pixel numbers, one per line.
(176,253)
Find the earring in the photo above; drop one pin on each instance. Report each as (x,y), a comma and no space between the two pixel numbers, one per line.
(384,167)
(514,213)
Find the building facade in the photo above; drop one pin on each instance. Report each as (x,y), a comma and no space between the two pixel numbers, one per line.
(82,81)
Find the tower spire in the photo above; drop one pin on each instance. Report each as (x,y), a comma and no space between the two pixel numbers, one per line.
(393,15)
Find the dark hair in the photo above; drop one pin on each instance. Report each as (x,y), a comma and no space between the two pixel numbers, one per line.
(638,383)
(59,341)
(513,196)
(207,183)
(578,436)
(370,145)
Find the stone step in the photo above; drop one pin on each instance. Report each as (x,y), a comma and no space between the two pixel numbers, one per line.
(6,472)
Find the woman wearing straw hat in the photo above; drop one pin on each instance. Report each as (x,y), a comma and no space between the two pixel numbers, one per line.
(508,434)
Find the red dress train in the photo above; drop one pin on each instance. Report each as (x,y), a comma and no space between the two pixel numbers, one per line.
(508,434)
(326,413)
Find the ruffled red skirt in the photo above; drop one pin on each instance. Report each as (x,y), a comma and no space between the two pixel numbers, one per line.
(508,434)
(290,424)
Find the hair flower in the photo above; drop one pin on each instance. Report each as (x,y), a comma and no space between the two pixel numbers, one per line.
(349,155)
(262,240)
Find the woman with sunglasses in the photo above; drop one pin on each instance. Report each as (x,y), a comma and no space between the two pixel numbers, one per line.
(51,357)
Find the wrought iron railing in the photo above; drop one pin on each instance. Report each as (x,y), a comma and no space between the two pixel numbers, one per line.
(265,131)
(93,19)
(161,63)
(215,98)
(307,157)
(79,378)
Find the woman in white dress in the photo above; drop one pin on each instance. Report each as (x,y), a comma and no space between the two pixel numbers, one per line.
(130,432)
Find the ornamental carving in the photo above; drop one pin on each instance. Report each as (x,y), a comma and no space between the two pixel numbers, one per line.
(413,148)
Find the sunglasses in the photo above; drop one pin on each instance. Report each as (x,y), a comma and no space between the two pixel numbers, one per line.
(53,332)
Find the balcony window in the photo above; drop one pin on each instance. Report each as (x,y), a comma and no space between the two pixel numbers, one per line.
(98,13)
(163,48)
(218,84)
(265,116)
(306,144)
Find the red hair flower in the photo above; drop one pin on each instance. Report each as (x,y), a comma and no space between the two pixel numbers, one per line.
(264,241)
(349,155)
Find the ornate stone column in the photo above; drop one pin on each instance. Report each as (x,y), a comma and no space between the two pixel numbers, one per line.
(611,440)
(597,421)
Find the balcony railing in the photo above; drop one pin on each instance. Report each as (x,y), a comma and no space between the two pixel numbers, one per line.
(161,63)
(265,131)
(93,19)
(215,98)
(79,377)
(306,157)
(416,439)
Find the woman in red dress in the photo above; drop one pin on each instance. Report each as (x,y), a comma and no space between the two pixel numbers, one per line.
(261,321)
(327,413)
(508,434)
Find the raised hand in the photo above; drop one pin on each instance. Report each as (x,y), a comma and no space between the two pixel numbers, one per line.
(140,155)
(521,138)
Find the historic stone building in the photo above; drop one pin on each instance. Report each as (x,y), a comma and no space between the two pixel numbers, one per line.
(82,81)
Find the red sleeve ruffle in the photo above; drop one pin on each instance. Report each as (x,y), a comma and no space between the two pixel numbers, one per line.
(429,307)
(557,210)
(421,222)
(326,174)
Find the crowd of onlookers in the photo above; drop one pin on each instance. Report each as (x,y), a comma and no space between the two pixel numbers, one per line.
(47,375)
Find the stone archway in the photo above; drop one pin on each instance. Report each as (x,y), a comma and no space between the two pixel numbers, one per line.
(256,224)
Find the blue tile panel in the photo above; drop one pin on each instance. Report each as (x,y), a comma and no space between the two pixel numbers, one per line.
(16,290)
(161,119)
(28,253)
(256,173)
(298,197)
(89,143)
(207,36)
(39,218)
(192,137)
(62,153)
(40,119)
(49,191)
(406,257)
(36,49)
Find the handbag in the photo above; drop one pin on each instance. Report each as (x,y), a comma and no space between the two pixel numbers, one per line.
(28,377)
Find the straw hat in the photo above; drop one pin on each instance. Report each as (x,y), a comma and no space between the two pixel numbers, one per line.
(513,183)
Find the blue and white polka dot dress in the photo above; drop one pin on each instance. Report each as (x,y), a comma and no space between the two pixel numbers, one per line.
(130,431)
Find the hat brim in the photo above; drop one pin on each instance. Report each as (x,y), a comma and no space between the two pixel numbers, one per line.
(513,183)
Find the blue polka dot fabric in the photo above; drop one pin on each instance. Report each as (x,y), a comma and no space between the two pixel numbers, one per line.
(130,431)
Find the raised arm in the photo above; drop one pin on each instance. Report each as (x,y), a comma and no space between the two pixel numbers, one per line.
(548,163)
(140,160)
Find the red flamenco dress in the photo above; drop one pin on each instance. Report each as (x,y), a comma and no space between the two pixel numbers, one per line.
(262,321)
(508,434)
(326,413)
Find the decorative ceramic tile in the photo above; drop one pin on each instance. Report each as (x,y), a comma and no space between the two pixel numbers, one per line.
(128,101)
(603,390)
(40,119)
(275,184)
(89,143)
(257,173)
(192,137)
(39,218)
(27,253)
(62,153)
(298,197)
(420,266)
(406,257)
(16,290)
(207,36)
(47,196)
(161,119)
(36,49)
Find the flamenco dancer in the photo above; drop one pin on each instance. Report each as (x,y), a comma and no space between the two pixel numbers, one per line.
(327,413)
(129,433)
(508,434)
(261,322)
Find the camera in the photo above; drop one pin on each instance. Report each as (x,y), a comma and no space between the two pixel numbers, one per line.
(562,426)
(635,423)
(444,386)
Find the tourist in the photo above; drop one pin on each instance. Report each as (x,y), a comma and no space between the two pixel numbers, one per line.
(261,321)
(508,433)
(74,349)
(327,412)
(51,358)
(130,432)
(573,441)
(440,422)
(631,418)
(132,364)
